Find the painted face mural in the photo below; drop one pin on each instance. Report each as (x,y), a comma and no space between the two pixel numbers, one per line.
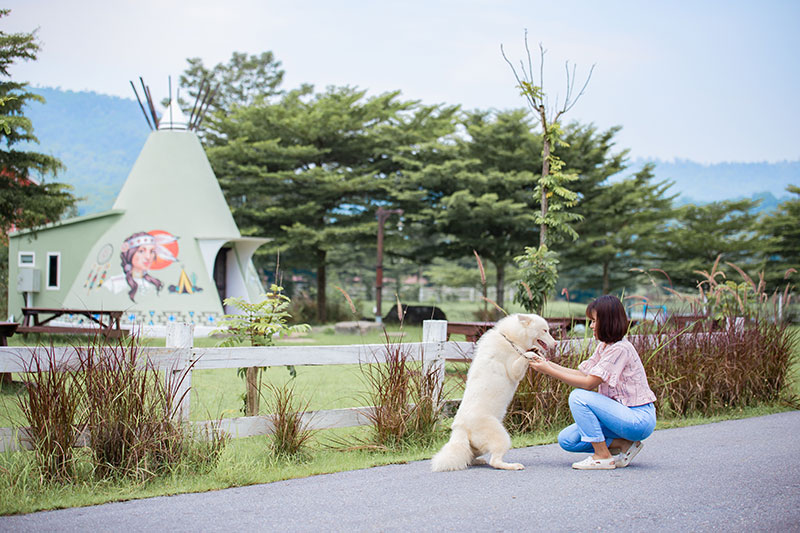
(141,253)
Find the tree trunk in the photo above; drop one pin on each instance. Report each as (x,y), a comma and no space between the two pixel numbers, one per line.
(253,390)
(606,278)
(322,283)
(545,172)
(500,283)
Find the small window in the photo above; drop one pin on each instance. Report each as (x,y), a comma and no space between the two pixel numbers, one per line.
(27,259)
(53,270)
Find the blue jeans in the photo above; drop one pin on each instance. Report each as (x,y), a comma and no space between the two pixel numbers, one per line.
(599,418)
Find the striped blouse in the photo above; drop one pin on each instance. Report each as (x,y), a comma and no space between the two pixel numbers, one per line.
(619,366)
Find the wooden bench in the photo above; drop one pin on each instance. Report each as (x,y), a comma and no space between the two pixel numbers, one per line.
(7,330)
(107,322)
(559,327)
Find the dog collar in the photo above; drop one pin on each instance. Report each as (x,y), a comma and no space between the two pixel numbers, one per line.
(512,344)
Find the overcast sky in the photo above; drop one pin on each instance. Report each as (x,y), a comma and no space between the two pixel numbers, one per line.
(708,81)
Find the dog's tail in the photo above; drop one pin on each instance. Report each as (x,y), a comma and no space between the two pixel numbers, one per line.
(455,455)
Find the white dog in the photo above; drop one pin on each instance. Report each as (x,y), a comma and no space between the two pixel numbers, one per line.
(500,362)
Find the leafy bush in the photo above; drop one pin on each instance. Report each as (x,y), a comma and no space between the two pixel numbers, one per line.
(257,324)
(710,370)
(130,412)
(538,270)
(541,402)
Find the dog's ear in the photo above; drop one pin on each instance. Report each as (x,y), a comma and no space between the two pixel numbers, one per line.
(525,320)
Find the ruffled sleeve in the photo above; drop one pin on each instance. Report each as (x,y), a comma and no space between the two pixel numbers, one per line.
(607,363)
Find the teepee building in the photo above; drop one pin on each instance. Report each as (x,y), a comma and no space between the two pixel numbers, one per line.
(168,249)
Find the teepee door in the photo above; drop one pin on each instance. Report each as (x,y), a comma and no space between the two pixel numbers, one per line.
(221,272)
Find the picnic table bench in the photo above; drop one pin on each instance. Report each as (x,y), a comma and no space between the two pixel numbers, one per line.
(107,321)
(7,329)
(559,327)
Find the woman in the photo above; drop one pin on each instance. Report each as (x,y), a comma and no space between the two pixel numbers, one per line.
(621,414)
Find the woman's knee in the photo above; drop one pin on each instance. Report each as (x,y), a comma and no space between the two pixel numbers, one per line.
(570,438)
(579,397)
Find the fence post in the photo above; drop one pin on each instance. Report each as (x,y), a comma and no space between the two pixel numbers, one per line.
(435,331)
(179,379)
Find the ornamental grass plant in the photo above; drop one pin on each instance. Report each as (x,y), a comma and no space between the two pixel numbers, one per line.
(118,405)
(290,435)
(405,395)
(52,408)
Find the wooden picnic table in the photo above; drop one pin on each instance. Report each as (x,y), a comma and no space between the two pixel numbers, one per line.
(559,327)
(7,330)
(107,320)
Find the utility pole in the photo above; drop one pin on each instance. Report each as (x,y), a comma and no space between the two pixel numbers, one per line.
(383,214)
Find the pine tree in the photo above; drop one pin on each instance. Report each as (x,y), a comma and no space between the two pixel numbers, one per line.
(475,192)
(308,170)
(25,200)
(781,232)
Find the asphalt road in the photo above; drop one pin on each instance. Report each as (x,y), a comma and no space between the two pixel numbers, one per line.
(730,476)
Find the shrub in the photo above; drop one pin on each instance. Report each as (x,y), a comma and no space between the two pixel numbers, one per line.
(290,435)
(120,404)
(130,412)
(541,402)
(699,372)
(257,324)
(406,398)
(51,406)
(709,370)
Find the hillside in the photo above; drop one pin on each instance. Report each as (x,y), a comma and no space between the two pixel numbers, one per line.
(698,183)
(98,137)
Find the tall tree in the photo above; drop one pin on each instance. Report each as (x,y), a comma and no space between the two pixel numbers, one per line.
(476,190)
(700,233)
(781,231)
(241,81)
(26,201)
(554,196)
(623,222)
(308,169)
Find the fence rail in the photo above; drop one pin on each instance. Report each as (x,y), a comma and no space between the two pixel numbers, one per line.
(181,357)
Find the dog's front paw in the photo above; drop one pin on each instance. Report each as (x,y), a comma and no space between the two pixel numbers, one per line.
(533,356)
(516,466)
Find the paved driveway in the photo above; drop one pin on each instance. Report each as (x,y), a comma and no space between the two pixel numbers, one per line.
(730,476)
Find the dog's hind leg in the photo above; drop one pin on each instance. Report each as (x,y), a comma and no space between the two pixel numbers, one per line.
(476,459)
(498,443)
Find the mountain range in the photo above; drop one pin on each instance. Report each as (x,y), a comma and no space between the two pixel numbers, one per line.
(98,138)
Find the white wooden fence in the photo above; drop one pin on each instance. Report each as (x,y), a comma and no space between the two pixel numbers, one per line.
(181,357)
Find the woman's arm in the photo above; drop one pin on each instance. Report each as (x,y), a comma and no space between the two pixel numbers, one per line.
(570,376)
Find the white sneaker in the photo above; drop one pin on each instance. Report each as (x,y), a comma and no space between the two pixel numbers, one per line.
(590,463)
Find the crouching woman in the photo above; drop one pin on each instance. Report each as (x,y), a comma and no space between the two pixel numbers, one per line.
(621,414)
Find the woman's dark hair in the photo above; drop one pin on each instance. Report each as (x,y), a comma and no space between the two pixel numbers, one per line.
(611,322)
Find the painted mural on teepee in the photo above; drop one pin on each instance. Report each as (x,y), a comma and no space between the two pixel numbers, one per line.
(141,253)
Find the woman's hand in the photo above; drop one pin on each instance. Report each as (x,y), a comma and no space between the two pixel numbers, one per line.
(536,361)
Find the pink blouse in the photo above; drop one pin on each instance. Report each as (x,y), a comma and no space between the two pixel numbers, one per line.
(622,372)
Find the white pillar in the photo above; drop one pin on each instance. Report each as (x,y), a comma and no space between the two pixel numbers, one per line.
(435,331)
(181,337)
